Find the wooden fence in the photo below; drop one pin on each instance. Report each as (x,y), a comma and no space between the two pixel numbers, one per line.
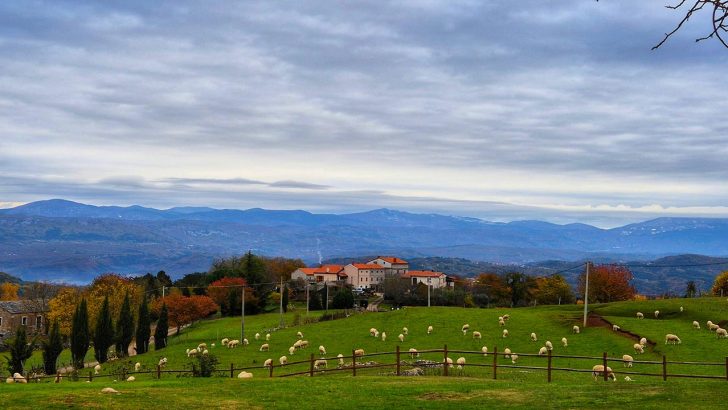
(357,363)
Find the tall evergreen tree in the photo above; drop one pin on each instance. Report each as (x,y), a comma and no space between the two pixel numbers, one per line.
(52,349)
(103,333)
(314,301)
(20,351)
(232,302)
(160,333)
(79,335)
(284,295)
(143,330)
(124,328)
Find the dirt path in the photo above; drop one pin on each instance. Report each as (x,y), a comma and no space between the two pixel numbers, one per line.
(374,305)
(595,320)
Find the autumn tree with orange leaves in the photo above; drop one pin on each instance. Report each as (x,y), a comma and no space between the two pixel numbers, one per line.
(608,283)
(184,310)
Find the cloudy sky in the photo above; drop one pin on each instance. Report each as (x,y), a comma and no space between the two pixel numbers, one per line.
(554,110)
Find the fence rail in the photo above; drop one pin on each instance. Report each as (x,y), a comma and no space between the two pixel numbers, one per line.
(357,363)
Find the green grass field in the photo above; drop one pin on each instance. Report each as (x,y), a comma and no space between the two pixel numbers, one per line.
(377,387)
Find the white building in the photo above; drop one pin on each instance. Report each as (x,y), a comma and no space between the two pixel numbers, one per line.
(365,275)
(391,264)
(435,279)
(324,273)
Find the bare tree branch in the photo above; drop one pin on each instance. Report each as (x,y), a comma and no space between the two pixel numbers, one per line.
(719,20)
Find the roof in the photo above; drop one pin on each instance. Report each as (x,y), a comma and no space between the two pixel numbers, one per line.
(322,269)
(392,259)
(423,274)
(21,306)
(367,266)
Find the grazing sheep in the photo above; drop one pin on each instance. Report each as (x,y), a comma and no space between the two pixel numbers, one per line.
(627,360)
(465,328)
(291,350)
(130,378)
(514,358)
(359,352)
(598,370)
(543,351)
(319,364)
(638,348)
(405,331)
(191,353)
(616,328)
(341,359)
(372,331)
(264,347)
(283,360)
(224,341)
(713,327)
(297,344)
(231,344)
(477,335)
(257,336)
(97,369)
(413,353)
(720,332)
(304,344)
(696,325)
(507,353)
(709,324)
(245,375)
(401,337)
(268,363)
(681,309)
(549,345)
(460,362)
(205,352)
(484,349)
(672,339)
(202,346)
(575,329)
(643,341)
(429,329)
(137,366)
(627,379)
(657,314)
(506,317)
(501,322)
(109,390)
(322,350)
(245,342)
(384,336)
(448,361)
(533,337)
(505,333)
(267,337)
(376,334)
(300,335)
(640,315)
(564,342)
(162,362)
(212,345)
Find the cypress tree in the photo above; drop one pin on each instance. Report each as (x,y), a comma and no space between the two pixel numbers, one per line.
(124,328)
(160,333)
(52,349)
(79,335)
(143,328)
(232,302)
(314,301)
(284,295)
(20,351)
(103,333)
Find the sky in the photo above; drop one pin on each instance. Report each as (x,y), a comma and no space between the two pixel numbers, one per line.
(501,110)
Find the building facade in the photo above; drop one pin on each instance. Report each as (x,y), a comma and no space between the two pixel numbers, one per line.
(365,275)
(434,279)
(324,273)
(391,264)
(27,313)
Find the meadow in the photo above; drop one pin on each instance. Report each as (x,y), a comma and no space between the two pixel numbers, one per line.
(377,387)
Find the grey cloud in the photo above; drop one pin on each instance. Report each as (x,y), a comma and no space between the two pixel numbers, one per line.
(298,185)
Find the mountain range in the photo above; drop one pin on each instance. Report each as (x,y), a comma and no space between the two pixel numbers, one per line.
(69,241)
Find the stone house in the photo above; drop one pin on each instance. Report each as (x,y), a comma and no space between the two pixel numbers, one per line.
(28,313)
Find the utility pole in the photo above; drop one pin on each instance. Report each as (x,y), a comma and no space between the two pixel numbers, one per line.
(281,307)
(429,280)
(586,291)
(242,317)
(162,291)
(327,296)
(307,285)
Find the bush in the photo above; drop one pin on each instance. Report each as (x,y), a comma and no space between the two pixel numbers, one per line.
(205,366)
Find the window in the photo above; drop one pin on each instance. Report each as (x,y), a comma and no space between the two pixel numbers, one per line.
(1,321)
(38,321)
(24,321)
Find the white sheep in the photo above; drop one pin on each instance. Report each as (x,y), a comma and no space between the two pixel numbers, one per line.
(162,362)
(224,341)
(283,360)
(549,345)
(429,329)
(268,363)
(376,334)
(713,327)
(640,315)
(130,378)
(657,314)
(709,324)
(97,369)
(575,329)
(460,362)
(514,358)
(245,375)
(627,379)
(231,344)
(413,353)
(341,359)
(212,345)
(616,328)
(484,349)
(505,333)
(533,337)
(543,351)
(257,336)
(137,366)
(501,322)
(359,352)
(322,350)
(267,337)
(465,328)
(564,342)
(291,350)
(264,347)
(643,341)
(598,370)
(477,335)
(507,353)
(205,352)
(448,361)
(191,352)
(696,325)
(720,332)
(681,309)
(405,331)
(245,342)
(372,331)
(506,317)
(638,348)
(384,336)
(672,339)
(300,335)
(201,346)
(319,364)
(401,337)
(304,344)
(297,344)
(627,360)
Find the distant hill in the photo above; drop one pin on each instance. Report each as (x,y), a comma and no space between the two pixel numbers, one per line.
(65,240)
(6,277)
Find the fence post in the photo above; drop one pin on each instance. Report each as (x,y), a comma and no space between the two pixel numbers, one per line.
(549,367)
(495,362)
(159,372)
(310,370)
(90,376)
(353,363)
(604,363)
(397,360)
(270,370)
(444,364)
(664,368)
(726,368)
(231,370)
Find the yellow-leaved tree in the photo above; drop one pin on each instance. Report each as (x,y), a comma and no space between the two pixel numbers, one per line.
(62,307)
(9,291)
(720,286)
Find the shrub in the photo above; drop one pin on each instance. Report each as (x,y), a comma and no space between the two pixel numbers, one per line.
(205,365)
